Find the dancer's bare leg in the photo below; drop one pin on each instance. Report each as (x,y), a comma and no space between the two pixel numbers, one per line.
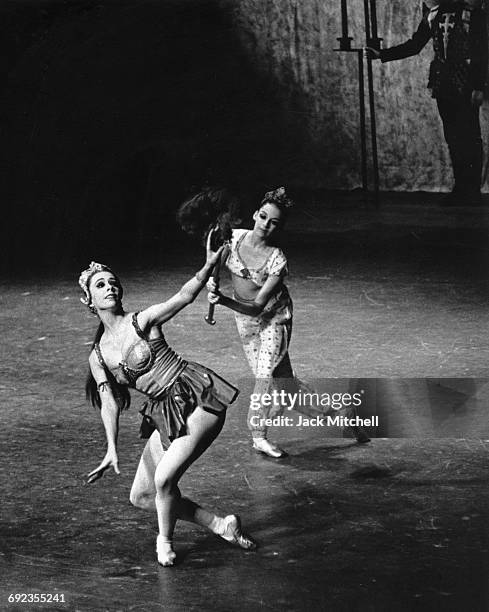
(155,485)
(143,491)
(202,428)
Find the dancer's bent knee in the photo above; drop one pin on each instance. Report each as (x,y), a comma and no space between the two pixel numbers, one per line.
(141,500)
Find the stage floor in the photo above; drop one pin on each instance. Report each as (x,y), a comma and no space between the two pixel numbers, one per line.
(398,524)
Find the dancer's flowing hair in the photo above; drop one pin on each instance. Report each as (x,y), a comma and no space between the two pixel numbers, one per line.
(210,207)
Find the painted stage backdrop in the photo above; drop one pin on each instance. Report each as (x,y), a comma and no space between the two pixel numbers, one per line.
(293,42)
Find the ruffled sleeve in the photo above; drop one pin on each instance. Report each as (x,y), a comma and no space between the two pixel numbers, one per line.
(278,264)
(237,233)
(230,259)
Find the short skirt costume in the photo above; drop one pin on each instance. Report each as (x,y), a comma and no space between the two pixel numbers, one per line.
(174,387)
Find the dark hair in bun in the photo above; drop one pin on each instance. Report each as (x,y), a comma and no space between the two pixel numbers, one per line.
(277,197)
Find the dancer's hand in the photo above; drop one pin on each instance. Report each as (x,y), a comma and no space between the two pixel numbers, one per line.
(371,53)
(477,97)
(212,285)
(214,297)
(110,459)
(212,256)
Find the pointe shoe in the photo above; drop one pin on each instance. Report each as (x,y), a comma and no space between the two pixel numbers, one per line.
(166,556)
(233,534)
(262,445)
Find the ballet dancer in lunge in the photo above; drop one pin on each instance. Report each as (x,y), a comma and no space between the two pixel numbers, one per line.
(186,405)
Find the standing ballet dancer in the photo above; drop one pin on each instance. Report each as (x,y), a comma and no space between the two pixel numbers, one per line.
(262,306)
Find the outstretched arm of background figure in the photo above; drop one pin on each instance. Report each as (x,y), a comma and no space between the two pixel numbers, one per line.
(109,413)
(253,309)
(411,47)
(160,313)
(371,53)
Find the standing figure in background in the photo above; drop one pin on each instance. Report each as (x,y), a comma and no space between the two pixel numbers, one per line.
(457,80)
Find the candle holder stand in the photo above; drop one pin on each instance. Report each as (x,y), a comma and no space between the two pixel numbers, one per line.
(371,40)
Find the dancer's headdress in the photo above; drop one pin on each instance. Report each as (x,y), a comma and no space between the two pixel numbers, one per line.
(277,197)
(85,277)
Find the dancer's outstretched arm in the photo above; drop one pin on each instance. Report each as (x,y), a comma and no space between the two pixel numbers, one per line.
(160,313)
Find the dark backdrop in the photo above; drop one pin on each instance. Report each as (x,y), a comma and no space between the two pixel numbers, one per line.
(113,112)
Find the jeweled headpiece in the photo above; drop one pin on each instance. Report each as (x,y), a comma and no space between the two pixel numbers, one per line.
(277,197)
(85,277)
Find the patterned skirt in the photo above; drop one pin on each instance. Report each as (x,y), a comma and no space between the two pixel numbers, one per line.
(195,386)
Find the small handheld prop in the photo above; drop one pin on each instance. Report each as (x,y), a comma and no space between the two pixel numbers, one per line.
(210,208)
(209,317)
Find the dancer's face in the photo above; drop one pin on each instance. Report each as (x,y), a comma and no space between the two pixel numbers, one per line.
(267,219)
(105,291)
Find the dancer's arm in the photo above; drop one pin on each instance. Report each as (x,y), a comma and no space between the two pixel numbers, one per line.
(253,308)
(160,313)
(109,413)
(411,47)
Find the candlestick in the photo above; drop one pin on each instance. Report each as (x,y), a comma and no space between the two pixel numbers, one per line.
(373,18)
(344,19)
(345,40)
(367,21)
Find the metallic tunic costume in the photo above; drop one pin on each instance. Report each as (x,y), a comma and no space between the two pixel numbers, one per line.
(174,386)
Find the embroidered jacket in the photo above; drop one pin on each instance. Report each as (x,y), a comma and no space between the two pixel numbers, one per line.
(459,35)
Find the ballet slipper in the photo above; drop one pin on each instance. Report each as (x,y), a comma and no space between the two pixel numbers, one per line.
(262,445)
(166,555)
(232,533)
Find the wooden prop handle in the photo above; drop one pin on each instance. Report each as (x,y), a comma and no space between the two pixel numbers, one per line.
(209,317)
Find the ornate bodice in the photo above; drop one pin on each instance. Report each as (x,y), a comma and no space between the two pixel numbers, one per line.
(274,265)
(148,365)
